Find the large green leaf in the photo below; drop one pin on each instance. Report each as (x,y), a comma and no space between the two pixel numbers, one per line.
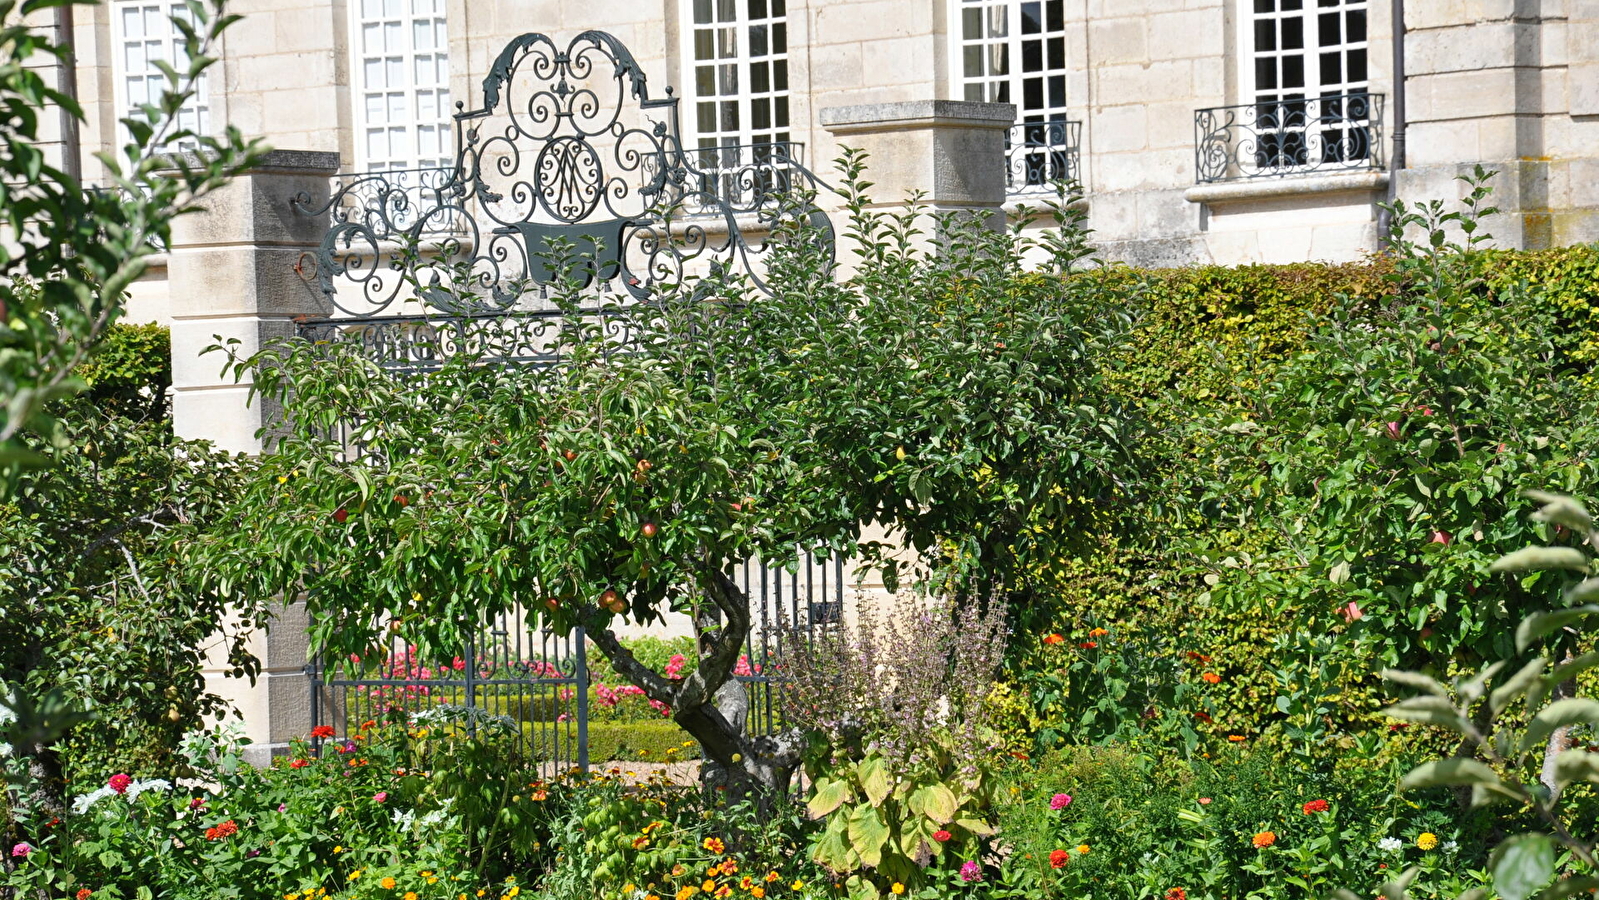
(1559,714)
(1537,625)
(1453,771)
(873,775)
(1532,559)
(1576,765)
(828,794)
(868,832)
(1523,864)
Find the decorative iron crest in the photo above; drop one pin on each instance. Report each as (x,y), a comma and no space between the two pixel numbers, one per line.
(568,156)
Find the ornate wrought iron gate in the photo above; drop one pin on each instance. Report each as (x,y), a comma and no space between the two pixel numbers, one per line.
(566,151)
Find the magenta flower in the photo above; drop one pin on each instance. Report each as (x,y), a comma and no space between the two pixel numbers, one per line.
(380,796)
(971,871)
(119,783)
(22,849)
(1060,801)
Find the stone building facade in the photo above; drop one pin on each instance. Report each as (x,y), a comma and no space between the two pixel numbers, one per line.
(1224,131)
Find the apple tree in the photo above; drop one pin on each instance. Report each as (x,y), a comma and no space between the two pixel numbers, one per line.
(948,398)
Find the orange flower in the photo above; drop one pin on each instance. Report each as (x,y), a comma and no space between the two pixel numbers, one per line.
(1264,839)
(388,884)
(714,845)
(1236,738)
(1088,645)
(1211,678)
(1098,632)
(1054,639)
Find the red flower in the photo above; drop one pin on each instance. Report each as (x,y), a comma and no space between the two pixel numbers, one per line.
(226,829)
(1176,894)
(1058,858)
(1211,678)
(84,893)
(322,731)
(1315,806)
(119,783)
(1054,639)
(299,763)
(1203,717)
(941,835)
(1088,645)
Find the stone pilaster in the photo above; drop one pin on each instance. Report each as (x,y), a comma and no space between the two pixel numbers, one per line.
(953,151)
(232,273)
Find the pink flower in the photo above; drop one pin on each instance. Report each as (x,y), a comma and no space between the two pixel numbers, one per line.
(380,796)
(1060,801)
(119,783)
(22,849)
(1352,612)
(1393,431)
(458,664)
(674,666)
(196,802)
(971,871)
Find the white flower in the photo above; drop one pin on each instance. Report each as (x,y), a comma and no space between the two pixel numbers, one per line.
(1451,846)
(80,805)
(154,784)
(1390,844)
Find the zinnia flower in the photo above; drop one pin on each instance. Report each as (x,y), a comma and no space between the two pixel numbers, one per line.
(1315,806)
(299,763)
(1427,840)
(22,849)
(380,796)
(119,783)
(1264,839)
(1058,858)
(1054,639)
(971,871)
(1098,632)
(1082,848)
(1088,645)
(84,894)
(1176,894)
(387,883)
(941,835)
(1211,678)
(322,731)
(1060,801)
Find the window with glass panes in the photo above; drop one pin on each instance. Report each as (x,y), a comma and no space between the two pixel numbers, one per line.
(144,34)
(1309,70)
(739,117)
(401,85)
(1014,51)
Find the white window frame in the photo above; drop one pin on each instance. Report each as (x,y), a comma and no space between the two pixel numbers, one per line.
(168,42)
(1320,123)
(416,109)
(1054,66)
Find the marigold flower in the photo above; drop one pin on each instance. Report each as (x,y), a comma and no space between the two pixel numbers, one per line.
(387,883)
(1060,801)
(410,895)
(1059,858)
(797,885)
(1427,840)
(1053,639)
(322,731)
(1315,806)
(1098,632)
(1088,645)
(896,888)
(1177,894)
(746,883)
(119,782)
(1236,738)
(84,894)
(714,845)
(687,892)
(1082,848)
(941,835)
(757,892)
(1211,678)
(708,885)
(772,876)
(1264,839)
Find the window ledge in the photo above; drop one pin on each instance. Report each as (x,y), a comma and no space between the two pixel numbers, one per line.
(1286,186)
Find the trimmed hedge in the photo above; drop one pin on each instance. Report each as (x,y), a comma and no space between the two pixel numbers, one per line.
(619,741)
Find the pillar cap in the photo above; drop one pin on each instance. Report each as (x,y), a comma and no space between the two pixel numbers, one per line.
(917,114)
(310,162)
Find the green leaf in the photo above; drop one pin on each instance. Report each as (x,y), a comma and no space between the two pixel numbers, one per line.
(1529,559)
(1571,711)
(1456,770)
(873,776)
(1514,686)
(1430,711)
(868,832)
(1523,864)
(1559,509)
(975,826)
(1569,887)
(1415,680)
(1576,765)
(829,794)
(1399,888)
(936,802)
(1537,625)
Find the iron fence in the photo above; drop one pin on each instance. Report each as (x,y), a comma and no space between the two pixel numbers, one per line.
(741,176)
(1040,154)
(1290,136)
(535,685)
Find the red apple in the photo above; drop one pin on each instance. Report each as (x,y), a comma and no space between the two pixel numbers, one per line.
(649,529)
(402,499)
(340,515)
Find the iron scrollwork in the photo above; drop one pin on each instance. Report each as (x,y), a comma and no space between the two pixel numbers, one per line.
(568,156)
(1291,136)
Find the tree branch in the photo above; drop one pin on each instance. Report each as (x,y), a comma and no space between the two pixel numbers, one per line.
(655,686)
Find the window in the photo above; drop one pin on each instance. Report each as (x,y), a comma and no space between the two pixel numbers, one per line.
(1309,74)
(144,35)
(401,85)
(739,50)
(1014,51)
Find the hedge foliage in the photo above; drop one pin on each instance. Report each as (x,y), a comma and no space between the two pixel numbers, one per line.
(1203,340)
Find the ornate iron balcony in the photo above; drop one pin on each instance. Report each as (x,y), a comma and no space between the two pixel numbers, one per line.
(740,176)
(1276,138)
(401,199)
(1038,154)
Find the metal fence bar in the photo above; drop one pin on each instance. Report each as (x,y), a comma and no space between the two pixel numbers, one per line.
(1289,135)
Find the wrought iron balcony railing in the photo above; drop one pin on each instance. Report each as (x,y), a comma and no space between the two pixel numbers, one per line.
(1275,138)
(402,199)
(1039,154)
(740,176)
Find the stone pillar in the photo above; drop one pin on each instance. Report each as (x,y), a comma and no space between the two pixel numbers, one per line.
(951,150)
(232,274)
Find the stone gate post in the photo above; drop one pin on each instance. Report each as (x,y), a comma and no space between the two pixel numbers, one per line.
(233,273)
(953,151)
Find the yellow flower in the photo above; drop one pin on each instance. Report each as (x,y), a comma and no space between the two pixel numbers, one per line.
(757,892)
(687,892)
(1082,848)
(708,886)
(1427,840)
(771,876)
(388,883)
(797,885)
(356,874)
(714,845)
(338,849)
(512,892)
(898,888)
(410,895)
